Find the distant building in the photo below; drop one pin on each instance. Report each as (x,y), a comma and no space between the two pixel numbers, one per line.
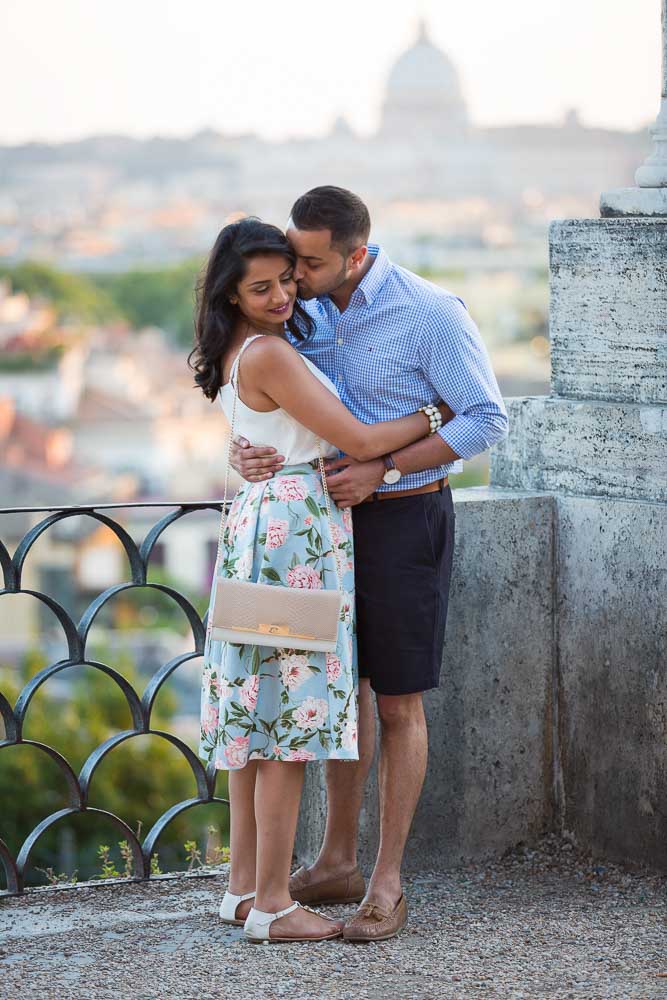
(437,183)
(423,99)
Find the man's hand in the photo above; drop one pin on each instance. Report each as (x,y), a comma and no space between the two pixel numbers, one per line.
(355,482)
(254,464)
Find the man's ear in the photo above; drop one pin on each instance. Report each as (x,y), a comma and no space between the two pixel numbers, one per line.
(357,257)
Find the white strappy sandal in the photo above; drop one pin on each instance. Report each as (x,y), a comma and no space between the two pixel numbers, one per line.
(258,924)
(229,906)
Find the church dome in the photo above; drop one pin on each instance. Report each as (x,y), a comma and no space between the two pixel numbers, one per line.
(423,92)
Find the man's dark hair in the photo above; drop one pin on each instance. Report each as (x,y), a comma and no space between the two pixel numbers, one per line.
(334,208)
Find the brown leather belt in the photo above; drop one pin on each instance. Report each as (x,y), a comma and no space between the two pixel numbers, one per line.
(434,487)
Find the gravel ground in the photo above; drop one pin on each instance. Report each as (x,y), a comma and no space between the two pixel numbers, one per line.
(547,923)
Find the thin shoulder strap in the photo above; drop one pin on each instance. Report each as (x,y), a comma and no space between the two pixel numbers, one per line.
(235,366)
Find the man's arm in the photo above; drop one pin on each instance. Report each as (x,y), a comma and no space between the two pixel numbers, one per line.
(357,480)
(456,362)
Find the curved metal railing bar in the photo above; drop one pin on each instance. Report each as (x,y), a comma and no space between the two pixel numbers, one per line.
(141,708)
(43,675)
(8,571)
(11,871)
(136,564)
(74,645)
(24,854)
(73,788)
(161,675)
(94,607)
(156,830)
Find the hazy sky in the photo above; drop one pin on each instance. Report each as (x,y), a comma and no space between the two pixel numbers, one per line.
(69,68)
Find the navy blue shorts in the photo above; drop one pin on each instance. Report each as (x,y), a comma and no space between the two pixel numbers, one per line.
(403,561)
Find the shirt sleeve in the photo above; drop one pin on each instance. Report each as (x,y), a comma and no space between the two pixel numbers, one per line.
(457,364)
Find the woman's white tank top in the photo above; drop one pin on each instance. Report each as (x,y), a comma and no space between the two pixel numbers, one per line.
(276,428)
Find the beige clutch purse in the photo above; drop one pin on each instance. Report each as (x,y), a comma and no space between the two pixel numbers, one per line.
(261,614)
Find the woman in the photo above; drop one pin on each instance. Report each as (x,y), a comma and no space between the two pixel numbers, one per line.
(265,711)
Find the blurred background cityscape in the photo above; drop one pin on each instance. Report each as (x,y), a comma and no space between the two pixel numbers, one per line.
(102,235)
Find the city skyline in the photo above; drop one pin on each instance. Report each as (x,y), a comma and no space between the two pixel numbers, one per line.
(159,68)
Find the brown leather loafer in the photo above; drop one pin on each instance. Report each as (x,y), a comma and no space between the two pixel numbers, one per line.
(373,923)
(344,889)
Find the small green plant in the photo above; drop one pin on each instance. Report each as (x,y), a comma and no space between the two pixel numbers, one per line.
(109,869)
(54,879)
(214,854)
(192,854)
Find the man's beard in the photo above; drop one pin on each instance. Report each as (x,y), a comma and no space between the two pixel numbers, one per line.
(306,293)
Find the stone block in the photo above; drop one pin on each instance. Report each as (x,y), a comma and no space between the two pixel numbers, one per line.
(612,676)
(489,781)
(608,310)
(584,447)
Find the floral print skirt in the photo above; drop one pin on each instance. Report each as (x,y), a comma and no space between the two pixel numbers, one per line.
(261,703)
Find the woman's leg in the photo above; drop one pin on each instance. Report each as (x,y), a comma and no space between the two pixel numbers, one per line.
(277,797)
(242,834)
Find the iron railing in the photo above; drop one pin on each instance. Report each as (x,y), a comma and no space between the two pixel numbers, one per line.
(76,635)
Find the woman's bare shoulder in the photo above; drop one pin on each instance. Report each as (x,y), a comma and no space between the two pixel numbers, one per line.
(267,352)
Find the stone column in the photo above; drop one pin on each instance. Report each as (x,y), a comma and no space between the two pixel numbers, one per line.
(598,443)
(649,197)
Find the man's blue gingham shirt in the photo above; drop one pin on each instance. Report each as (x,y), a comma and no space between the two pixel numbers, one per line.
(403,342)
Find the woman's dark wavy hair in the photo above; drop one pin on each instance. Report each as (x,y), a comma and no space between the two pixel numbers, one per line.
(215,316)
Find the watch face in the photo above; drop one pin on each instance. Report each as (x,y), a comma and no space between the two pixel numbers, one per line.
(391,476)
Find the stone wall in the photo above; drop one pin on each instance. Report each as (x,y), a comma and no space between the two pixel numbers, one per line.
(490,774)
(599,444)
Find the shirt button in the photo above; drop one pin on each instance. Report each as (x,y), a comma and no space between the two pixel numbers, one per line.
(340,341)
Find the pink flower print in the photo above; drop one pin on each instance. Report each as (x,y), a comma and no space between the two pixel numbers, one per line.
(209,720)
(276,533)
(254,491)
(304,577)
(347,519)
(278,751)
(294,670)
(333,668)
(288,488)
(242,525)
(349,735)
(301,755)
(234,509)
(339,537)
(236,752)
(243,569)
(311,713)
(308,521)
(222,689)
(249,692)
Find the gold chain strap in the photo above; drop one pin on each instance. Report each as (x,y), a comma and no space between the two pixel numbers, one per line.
(223,515)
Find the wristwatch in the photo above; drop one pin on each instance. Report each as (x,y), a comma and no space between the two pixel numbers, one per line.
(392,474)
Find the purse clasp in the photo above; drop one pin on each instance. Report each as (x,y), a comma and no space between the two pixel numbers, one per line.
(273,629)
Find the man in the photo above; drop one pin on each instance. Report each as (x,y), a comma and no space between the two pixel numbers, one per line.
(391,342)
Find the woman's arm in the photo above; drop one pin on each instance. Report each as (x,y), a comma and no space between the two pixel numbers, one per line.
(275,368)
